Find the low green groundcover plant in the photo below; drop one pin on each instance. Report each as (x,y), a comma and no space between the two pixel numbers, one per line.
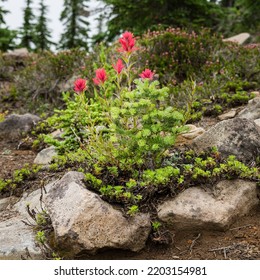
(122,137)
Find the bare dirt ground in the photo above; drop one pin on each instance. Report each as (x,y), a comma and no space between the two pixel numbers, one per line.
(12,158)
(240,242)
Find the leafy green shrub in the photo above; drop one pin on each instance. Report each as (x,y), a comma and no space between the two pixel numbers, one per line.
(143,127)
(8,66)
(182,59)
(177,55)
(241,63)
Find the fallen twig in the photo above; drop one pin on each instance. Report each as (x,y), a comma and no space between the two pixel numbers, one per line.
(224,249)
(249,225)
(191,246)
(221,248)
(225,253)
(194,242)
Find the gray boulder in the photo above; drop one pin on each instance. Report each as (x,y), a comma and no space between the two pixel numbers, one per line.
(5,203)
(14,126)
(83,222)
(239,137)
(252,110)
(187,137)
(215,209)
(16,239)
(57,134)
(257,122)
(67,85)
(17,54)
(45,156)
(33,200)
(228,115)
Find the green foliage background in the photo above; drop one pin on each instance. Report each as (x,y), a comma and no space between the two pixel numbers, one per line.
(225,17)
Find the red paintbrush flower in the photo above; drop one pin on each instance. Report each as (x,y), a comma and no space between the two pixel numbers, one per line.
(127,42)
(147,74)
(101,76)
(80,85)
(119,66)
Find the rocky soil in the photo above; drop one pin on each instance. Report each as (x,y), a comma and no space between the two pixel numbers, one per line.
(240,241)
(12,158)
(217,223)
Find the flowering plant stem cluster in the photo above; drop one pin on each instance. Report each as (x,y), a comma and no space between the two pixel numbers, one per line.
(126,128)
(136,126)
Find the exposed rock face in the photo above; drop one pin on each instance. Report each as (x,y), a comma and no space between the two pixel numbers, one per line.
(67,85)
(17,54)
(193,132)
(252,110)
(229,115)
(257,122)
(239,137)
(214,209)
(83,222)
(6,202)
(57,134)
(239,39)
(187,137)
(14,125)
(45,156)
(16,238)
(33,199)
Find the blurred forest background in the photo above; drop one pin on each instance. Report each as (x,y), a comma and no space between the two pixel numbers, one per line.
(227,17)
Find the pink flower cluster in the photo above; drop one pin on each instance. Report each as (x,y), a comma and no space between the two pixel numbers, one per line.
(127,42)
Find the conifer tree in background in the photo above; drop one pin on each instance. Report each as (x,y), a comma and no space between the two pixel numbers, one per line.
(227,3)
(42,33)
(228,17)
(240,16)
(28,29)
(6,36)
(101,34)
(74,17)
(2,13)
(250,14)
(139,16)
